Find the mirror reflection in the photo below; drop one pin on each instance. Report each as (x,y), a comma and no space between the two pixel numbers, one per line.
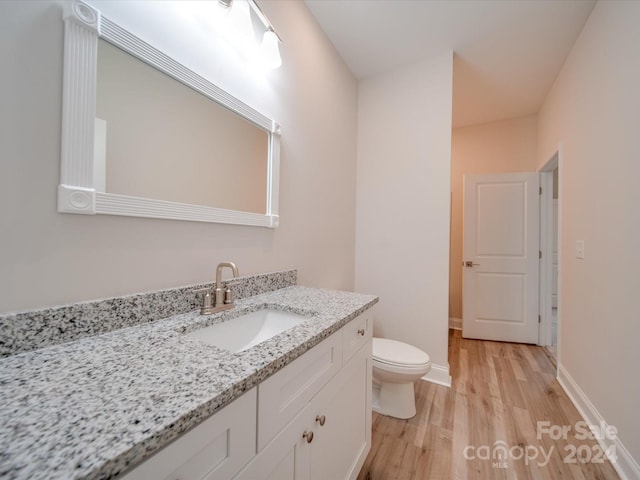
(157,138)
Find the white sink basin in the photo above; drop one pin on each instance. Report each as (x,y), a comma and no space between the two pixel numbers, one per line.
(241,333)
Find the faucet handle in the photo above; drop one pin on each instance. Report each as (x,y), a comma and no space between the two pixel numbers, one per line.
(228,295)
(207,305)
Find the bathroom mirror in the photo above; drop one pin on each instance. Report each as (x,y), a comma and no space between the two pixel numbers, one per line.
(186,151)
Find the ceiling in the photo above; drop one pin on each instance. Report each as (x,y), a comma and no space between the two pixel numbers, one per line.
(507,53)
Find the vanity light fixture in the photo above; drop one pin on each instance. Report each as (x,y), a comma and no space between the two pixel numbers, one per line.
(240,18)
(270,50)
(240,15)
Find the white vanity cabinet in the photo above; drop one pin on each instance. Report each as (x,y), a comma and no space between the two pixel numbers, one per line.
(214,450)
(311,426)
(310,420)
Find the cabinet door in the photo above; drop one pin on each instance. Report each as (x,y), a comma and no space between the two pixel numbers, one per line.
(341,445)
(288,391)
(215,449)
(286,457)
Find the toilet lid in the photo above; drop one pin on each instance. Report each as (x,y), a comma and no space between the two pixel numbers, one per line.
(394,352)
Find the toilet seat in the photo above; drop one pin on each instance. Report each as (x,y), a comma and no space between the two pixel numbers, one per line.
(392,355)
(417,371)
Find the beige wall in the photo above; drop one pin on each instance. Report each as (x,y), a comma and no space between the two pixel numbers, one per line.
(48,258)
(402,239)
(497,147)
(593,109)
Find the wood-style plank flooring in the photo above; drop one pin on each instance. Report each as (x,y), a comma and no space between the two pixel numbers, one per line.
(486,425)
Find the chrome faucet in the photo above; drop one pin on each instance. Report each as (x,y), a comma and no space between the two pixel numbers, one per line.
(222,299)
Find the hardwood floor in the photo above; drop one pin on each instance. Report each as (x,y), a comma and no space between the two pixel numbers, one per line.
(486,426)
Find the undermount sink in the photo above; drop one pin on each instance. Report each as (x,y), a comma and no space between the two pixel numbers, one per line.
(241,333)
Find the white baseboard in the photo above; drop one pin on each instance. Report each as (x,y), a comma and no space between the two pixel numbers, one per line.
(625,465)
(455,323)
(438,374)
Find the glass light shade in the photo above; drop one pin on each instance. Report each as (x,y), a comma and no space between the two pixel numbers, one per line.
(270,50)
(240,17)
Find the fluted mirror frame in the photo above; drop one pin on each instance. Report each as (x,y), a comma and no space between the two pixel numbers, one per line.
(83,26)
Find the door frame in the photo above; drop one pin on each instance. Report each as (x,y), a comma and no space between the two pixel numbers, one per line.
(546,246)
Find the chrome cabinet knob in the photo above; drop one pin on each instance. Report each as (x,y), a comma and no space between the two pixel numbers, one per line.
(361,332)
(308,436)
(321,419)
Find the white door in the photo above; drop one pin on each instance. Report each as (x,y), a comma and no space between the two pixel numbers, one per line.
(500,257)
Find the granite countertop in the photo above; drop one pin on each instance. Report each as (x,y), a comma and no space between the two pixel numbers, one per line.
(91,408)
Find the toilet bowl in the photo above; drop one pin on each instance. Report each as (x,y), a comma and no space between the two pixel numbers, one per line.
(396,366)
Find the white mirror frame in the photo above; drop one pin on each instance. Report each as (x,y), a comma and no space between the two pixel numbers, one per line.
(84,25)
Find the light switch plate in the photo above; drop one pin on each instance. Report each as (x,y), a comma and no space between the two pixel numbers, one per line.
(579,248)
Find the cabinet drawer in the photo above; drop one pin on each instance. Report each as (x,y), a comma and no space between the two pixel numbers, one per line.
(356,333)
(217,448)
(285,393)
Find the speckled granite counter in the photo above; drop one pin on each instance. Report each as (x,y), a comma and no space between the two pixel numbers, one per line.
(93,407)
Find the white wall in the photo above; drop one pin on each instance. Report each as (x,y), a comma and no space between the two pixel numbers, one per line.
(594,110)
(48,258)
(497,147)
(402,233)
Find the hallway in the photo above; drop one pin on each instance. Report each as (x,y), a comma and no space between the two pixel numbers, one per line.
(503,418)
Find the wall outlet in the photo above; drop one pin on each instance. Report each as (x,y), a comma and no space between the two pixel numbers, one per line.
(579,248)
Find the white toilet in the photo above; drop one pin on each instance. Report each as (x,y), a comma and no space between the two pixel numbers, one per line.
(396,366)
